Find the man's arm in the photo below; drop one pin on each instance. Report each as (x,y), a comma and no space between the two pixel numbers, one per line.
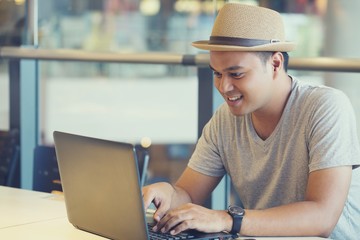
(317,215)
(198,186)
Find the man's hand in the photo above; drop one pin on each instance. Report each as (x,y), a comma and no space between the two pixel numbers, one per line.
(192,187)
(192,216)
(161,195)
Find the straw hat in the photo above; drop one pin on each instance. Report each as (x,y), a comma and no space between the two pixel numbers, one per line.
(240,27)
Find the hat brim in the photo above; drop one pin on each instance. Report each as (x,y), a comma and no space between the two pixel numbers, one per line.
(271,47)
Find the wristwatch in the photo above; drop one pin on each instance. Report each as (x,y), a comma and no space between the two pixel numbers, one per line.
(237,214)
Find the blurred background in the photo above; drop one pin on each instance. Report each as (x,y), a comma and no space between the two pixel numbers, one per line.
(151,104)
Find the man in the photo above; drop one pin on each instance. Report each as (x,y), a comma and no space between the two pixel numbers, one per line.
(290,149)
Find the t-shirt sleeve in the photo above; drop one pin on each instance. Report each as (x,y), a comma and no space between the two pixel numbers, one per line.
(206,157)
(332,131)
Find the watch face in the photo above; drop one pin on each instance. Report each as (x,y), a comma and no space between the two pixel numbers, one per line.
(236,210)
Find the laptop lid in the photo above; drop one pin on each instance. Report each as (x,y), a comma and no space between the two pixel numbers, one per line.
(101,188)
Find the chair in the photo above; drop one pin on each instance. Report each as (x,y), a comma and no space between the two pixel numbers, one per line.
(46,177)
(46,172)
(9,158)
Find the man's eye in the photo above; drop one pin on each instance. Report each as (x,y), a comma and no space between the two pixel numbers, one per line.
(217,74)
(236,75)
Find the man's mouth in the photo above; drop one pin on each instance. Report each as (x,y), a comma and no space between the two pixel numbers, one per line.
(234,98)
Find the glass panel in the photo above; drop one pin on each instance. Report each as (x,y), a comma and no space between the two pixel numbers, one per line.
(124,108)
(124,102)
(125,26)
(11,30)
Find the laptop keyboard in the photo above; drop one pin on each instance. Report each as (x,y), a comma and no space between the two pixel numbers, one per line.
(166,236)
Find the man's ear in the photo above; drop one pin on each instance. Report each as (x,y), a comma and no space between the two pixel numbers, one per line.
(277,60)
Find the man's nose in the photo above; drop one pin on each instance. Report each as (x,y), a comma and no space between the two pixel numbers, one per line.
(226,84)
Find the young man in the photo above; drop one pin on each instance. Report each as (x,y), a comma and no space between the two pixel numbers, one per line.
(290,149)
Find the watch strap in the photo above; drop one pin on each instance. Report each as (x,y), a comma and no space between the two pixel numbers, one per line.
(236,226)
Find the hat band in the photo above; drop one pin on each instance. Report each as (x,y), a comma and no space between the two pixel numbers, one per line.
(244,42)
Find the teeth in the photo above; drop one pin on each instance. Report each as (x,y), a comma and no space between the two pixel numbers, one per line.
(234,98)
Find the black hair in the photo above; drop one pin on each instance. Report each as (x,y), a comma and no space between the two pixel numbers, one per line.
(264,57)
(286,60)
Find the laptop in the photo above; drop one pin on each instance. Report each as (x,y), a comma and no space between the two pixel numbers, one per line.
(102,191)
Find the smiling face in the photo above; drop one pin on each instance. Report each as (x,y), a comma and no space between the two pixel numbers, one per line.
(244,80)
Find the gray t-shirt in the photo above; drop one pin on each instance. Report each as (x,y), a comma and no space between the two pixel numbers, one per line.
(317,130)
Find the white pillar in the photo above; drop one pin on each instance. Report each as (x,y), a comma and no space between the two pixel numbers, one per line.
(342,39)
